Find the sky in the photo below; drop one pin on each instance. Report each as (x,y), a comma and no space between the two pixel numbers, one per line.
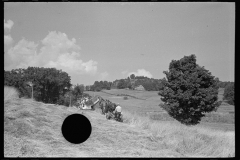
(94,41)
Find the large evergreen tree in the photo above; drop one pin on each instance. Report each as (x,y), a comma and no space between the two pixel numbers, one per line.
(189,91)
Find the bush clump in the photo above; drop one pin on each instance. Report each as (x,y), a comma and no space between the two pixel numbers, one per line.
(229,94)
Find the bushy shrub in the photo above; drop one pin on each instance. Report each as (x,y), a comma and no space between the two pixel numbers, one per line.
(229,94)
(125,98)
(63,100)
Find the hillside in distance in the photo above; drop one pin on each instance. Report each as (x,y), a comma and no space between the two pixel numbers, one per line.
(147,103)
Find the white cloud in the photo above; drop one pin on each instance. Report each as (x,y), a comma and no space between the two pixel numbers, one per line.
(103,76)
(124,72)
(70,63)
(8,24)
(90,66)
(20,55)
(141,72)
(57,51)
(8,40)
(56,44)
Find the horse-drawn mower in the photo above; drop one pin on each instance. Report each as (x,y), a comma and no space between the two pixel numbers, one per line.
(118,117)
(88,105)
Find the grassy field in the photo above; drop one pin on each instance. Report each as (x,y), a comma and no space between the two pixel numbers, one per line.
(33,129)
(147,103)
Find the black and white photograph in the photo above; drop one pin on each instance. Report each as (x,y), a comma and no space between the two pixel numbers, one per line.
(119,79)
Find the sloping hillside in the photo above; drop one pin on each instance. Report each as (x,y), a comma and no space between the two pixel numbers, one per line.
(147,102)
(33,129)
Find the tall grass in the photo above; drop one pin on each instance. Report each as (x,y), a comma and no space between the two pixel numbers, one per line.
(194,141)
(209,117)
(136,120)
(10,93)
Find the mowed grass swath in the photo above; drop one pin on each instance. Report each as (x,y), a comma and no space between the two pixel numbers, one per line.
(33,129)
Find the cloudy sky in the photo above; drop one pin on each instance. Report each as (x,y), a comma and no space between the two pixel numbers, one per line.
(108,41)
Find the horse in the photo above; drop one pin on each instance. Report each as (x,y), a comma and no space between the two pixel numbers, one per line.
(110,107)
(103,105)
(106,105)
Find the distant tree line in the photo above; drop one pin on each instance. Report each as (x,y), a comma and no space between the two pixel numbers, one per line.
(224,84)
(130,82)
(133,81)
(49,85)
(228,95)
(99,85)
(229,92)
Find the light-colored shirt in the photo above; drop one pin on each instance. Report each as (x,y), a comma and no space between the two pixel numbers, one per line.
(118,109)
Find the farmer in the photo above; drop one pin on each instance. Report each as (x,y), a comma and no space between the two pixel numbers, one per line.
(84,101)
(118,111)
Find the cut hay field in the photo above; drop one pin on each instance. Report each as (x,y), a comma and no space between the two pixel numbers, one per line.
(33,129)
(147,103)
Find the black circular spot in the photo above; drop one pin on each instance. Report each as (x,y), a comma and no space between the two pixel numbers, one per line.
(76,128)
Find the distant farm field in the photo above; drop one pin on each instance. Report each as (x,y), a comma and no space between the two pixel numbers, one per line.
(146,103)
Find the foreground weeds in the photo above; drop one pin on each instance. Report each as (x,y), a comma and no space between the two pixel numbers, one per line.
(194,141)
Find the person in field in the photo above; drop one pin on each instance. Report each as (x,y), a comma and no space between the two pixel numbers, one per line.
(118,111)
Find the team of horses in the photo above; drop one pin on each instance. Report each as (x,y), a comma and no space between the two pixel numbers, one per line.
(106,105)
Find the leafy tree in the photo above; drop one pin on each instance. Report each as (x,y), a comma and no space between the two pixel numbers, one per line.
(229,94)
(159,84)
(110,85)
(106,85)
(132,76)
(48,83)
(129,85)
(97,86)
(148,86)
(101,85)
(78,90)
(122,84)
(91,87)
(189,92)
(87,88)
(15,78)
